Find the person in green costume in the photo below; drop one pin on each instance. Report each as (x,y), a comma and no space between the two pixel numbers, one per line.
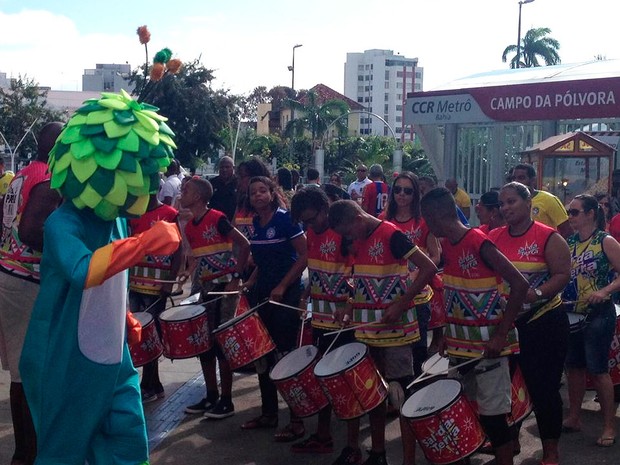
(78,376)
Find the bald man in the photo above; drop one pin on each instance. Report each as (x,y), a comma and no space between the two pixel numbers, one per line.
(27,204)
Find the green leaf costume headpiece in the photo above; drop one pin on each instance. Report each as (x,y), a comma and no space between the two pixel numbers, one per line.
(109,155)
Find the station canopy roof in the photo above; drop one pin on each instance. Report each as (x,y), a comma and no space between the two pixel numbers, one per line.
(565,72)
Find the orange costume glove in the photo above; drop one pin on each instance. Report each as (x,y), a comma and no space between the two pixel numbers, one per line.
(162,238)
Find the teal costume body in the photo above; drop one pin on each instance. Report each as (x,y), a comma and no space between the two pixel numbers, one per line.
(79,379)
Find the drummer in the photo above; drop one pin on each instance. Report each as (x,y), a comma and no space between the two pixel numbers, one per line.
(211,237)
(329,261)
(383,297)
(150,283)
(473,269)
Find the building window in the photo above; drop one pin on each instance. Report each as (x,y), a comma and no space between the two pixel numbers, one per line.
(370,109)
(387,85)
(387,75)
(418,75)
(360,67)
(399,85)
(399,97)
(399,119)
(360,77)
(386,108)
(367,67)
(360,88)
(399,108)
(366,88)
(360,99)
(387,97)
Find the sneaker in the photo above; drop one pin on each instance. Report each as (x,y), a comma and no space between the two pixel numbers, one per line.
(148,396)
(396,394)
(221,410)
(375,458)
(349,456)
(201,407)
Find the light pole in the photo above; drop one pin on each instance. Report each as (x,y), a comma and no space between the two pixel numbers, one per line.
(521,3)
(292,67)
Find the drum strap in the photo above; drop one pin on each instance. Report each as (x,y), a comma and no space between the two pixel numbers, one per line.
(478,370)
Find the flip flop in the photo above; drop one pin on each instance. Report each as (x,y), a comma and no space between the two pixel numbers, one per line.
(605,442)
(570,429)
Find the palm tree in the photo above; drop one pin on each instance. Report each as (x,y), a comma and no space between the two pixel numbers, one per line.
(313,117)
(535,44)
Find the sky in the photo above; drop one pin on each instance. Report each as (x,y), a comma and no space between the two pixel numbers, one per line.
(248,43)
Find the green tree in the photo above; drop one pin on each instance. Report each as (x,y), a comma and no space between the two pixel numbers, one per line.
(416,161)
(21,105)
(197,113)
(535,44)
(313,116)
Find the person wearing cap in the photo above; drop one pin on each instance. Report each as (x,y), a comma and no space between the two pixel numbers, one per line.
(356,188)
(376,194)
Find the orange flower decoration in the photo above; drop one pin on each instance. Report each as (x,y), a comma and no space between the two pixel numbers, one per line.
(157,72)
(144,35)
(174,65)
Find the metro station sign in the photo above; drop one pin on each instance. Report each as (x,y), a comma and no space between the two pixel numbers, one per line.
(588,98)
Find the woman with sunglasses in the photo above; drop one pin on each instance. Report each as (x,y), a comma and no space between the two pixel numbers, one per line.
(542,256)
(593,254)
(403,210)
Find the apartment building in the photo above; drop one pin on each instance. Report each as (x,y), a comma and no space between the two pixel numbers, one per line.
(380,80)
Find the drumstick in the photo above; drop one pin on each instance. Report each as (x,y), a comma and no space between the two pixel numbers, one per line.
(224,293)
(338,333)
(152,305)
(349,328)
(301,333)
(287,306)
(426,375)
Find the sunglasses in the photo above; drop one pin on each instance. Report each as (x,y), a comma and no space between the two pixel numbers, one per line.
(406,190)
(573,212)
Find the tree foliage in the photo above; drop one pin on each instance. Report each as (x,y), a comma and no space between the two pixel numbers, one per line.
(196,112)
(23,103)
(535,44)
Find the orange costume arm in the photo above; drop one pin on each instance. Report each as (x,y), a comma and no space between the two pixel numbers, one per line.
(162,238)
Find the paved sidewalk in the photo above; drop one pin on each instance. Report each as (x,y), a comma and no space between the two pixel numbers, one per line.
(178,438)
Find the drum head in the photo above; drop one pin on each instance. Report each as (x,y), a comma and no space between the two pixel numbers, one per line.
(617,310)
(182,313)
(432,398)
(340,359)
(436,365)
(574,318)
(143,317)
(294,363)
(192,299)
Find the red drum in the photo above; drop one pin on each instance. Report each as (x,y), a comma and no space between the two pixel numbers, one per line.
(243,306)
(244,339)
(149,348)
(351,381)
(613,362)
(294,378)
(185,331)
(521,405)
(443,422)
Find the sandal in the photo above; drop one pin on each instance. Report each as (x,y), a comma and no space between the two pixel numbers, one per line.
(605,441)
(264,421)
(294,430)
(314,445)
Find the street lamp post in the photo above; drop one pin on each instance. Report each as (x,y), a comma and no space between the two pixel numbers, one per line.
(292,67)
(521,3)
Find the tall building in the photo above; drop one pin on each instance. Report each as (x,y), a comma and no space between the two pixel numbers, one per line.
(4,82)
(380,80)
(107,78)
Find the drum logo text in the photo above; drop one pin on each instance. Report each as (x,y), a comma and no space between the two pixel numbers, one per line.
(444,437)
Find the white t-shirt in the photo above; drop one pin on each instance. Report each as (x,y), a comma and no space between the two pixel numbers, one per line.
(358,187)
(171,188)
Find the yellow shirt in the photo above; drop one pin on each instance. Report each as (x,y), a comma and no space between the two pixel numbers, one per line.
(5,180)
(462,199)
(548,209)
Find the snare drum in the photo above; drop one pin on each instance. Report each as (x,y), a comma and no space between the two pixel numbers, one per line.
(294,378)
(521,405)
(436,365)
(443,422)
(244,339)
(185,331)
(351,381)
(575,321)
(149,348)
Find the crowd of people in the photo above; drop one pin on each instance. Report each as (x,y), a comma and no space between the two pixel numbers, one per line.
(377,254)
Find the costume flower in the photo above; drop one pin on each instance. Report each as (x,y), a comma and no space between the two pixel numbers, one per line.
(109,155)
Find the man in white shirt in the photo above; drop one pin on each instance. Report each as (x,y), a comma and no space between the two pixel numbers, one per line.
(357,187)
(171,188)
